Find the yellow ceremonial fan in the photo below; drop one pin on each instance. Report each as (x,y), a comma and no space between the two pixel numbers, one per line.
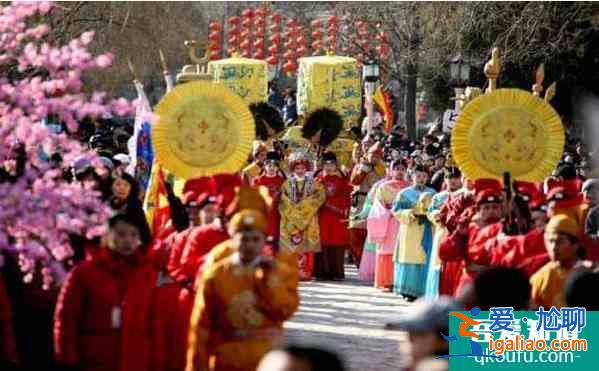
(203,129)
(508,130)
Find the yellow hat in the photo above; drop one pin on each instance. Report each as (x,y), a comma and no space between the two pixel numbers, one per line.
(251,198)
(248,220)
(563,224)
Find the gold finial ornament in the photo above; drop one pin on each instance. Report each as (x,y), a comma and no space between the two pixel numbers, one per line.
(537,88)
(550,92)
(492,70)
(192,46)
(196,71)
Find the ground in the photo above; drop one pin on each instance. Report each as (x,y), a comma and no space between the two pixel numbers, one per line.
(349,317)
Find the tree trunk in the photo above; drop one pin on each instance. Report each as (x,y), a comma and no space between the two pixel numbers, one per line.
(410,103)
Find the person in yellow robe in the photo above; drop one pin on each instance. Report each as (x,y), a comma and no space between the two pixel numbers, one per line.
(242,301)
(253,170)
(301,197)
(561,241)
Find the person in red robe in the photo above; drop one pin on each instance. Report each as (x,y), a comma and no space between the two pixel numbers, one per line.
(102,321)
(272,178)
(186,256)
(477,226)
(166,254)
(332,218)
(451,214)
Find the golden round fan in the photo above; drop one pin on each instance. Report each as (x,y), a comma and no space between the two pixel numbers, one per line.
(508,130)
(203,129)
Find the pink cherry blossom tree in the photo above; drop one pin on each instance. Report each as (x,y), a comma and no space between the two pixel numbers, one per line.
(38,208)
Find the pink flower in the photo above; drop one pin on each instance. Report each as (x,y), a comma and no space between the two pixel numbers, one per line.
(44,7)
(104,60)
(87,37)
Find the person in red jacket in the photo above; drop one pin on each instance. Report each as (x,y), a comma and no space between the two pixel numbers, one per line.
(272,178)
(8,342)
(101,321)
(479,225)
(332,217)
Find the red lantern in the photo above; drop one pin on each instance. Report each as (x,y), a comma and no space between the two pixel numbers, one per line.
(290,67)
(214,47)
(332,19)
(231,51)
(275,17)
(331,40)
(316,23)
(245,45)
(214,26)
(259,44)
(317,34)
(260,12)
(289,54)
(234,20)
(234,30)
(316,45)
(288,34)
(288,44)
(273,49)
(247,13)
(214,55)
(274,27)
(259,22)
(246,34)
(302,40)
(214,36)
(275,38)
(291,23)
(302,50)
(259,54)
(247,23)
(259,34)
(246,54)
(272,60)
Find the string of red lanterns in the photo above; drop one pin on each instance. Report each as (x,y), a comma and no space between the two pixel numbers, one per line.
(233,35)
(214,36)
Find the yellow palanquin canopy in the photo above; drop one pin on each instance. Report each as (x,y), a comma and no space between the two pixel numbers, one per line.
(246,77)
(508,130)
(203,129)
(333,82)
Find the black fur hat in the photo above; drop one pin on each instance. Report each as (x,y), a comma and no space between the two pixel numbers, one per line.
(329,157)
(266,116)
(325,119)
(272,157)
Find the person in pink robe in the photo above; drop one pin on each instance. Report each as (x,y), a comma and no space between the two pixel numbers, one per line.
(383,227)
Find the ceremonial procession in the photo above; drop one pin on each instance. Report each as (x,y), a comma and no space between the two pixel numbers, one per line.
(306,186)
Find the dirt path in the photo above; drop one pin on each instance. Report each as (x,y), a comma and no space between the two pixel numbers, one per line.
(348,317)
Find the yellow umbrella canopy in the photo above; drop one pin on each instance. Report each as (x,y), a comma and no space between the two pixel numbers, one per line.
(508,130)
(203,129)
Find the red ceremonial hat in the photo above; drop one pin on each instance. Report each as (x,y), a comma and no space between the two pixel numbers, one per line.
(531,193)
(206,199)
(487,183)
(197,185)
(488,196)
(189,198)
(570,188)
